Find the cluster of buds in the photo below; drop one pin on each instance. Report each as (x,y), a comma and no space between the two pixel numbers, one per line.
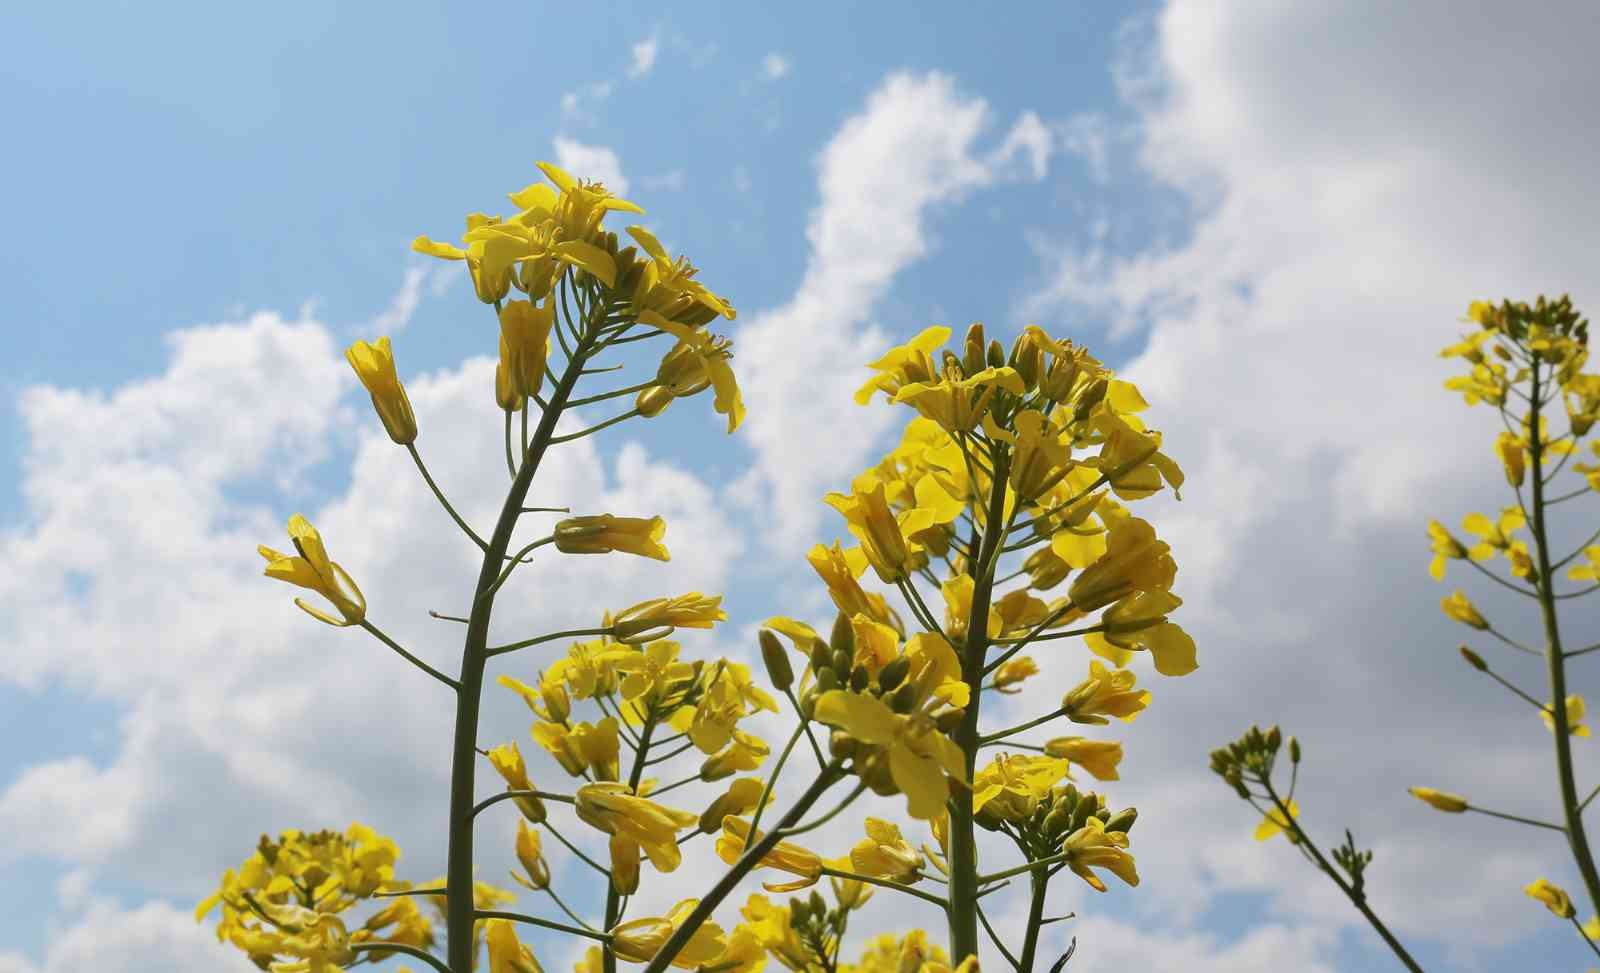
(1251,757)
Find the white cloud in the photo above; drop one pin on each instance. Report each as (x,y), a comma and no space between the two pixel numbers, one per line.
(673,179)
(911,148)
(594,162)
(1341,229)
(1088,136)
(644,56)
(775,66)
(110,939)
(403,305)
(1030,138)
(572,102)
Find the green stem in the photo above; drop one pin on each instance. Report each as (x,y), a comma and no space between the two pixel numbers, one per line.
(420,954)
(772,779)
(730,880)
(1516,818)
(570,633)
(417,457)
(885,883)
(494,799)
(463,765)
(391,643)
(997,737)
(1039,883)
(963,910)
(1577,836)
(546,923)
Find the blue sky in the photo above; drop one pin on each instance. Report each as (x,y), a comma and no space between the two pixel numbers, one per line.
(1270,218)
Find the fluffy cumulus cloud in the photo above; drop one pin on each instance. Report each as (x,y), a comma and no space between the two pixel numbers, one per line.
(594,162)
(144,506)
(1356,179)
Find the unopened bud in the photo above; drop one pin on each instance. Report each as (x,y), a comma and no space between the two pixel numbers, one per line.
(904,699)
(892,674)
(843,637)
(1274,739)
(859,677)
(776,658)
(1474,659)
(973,358)
(1123,820)
(1294,750)
(841,744)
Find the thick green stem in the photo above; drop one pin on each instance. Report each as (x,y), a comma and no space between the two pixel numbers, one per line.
(963,843)
(458,871)
(1572,811)
(1039,883)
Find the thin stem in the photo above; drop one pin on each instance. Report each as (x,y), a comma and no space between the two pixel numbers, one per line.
(391,643)
(1587,941)
(446,618)
(1039,884)
(509,795)
(885,883)
(615,394)
(1583,651)
(549,890)
(772,779)
(511,464)
(545,923)
(1589,798)
(1541,707)
(553,636)
(511,565)
(417,457)
(819,822)
(1032,866)
(1577,550)
(805,724)
(1501,581)
(995,737)
(421,954)
(569,437)
(1513,642)
(641,753)
(1568,496)
(575,850)
(1519,820)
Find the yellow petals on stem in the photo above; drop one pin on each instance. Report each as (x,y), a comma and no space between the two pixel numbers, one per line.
(1273,822)
(699,359)
(839,569)
(1445,547)
(1510,450)
(638,940)
(1012,785)
(785,855)
(374,365)
(884,853)
(1458,607)
(740,798)
(1553,896)
(1439,800)
(1011,674)
(1092,846)
(1575,711)
(921,759)
(313,570)
(1099,757)
(611,808)
(525,333)
(659,616)
(910,363)
(1105,693)
(532,859)
(507,762)
(507,954)
(1135,560)
(604,533)
(882,534)
(959,404)
(1140,622)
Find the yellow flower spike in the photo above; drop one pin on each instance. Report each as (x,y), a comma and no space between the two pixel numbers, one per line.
(374,365)
(604,533)
(525,329)
(1135,560)
(1105,693)
(959,404)
(1510,450)
(909,363)
(1458,607)
(611,809)
(639,940)
(882,534)
(1092,846)
(1012,785)
(1439,800)
(659,616)
(1140,622)
(507,761)
(1553,896)
(1273,822)
(507,954)
(313,570)
(884,853)
(532,859)
(1575,711)
(1099,757)
(785,855)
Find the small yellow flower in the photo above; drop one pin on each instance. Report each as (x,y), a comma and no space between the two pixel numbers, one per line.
(921,758)
(313,570)
(713,353)
(1135,560)
(653,672)
(741,797)
(638,940)
(1553,896)
(659,616)
(909,363)
(1011,674)
(1510,450)
(1458,607)
(883,853)
(374,365)
(1105,693)
(507,761)
(1093,846)
(1140,622)
(525,332)
(960,404)
(1274,822)
(882,534)
(532,859)
(1098,757)
(1441,800)
(604,533)
(784,856)
(1445,547)
(612,809)
(507,954)
(839,569)
(1012,785)
(1575,710)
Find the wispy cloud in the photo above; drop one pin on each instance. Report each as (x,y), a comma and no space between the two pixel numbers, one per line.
(775,66)
(595,162)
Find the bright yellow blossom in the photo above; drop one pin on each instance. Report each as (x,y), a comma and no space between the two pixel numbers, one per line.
(1459,608)
(1510,450)
(613,810)
(605,533)
(532,859)
(658,616)
(507,761)
(507,954)
(920,756)
(882,534)
(1553,896)
(1098,757)
(1011,674)
(1105,693)
(1575,710)
(1093,846)
(884,853)
(1140,622)
(1445,547)
(1440,800)
(525,329)
(313,570)
(1135,560)
(1012,785)
(959,404)
(374,365)
(785,855)
(910,363)
(1274,822)
(639,940)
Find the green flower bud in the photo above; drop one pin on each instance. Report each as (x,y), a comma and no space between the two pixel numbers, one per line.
(776,658)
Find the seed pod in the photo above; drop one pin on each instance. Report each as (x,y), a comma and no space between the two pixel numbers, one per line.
(859,677)
(892,674)
(776,659)
(904,699)
(1474,659)
(841,663)
(827,679)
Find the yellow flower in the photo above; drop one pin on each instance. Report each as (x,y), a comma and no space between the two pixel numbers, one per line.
(920,757)
(1459,608)
(532,859)
(1492,535)
(507,760)
(624,864)
(639,940)
(1135,560)
(653,672)
(713,352)
(582,747)
(784,856)
(839,568)
(1575,709)
(613,810)
(507,954)
(1039,457)
(744,954)
(605,533)
(958,592)
(1132,459)
(1140,622)
(1444,546)
(1509,448)
(1093,846)
(548,702)
(741,797)
(1273,822)
(312,570)
(1554,898)
(506,395)
(374,365)
(1105,692)
(1009,677)
(770,924)
(883,853)
(907,364)
(1588,571)
(1011,786)
(667,286)
(1441,800)
(1098,757)
(959,404)
(525,331)
(659,616)
(881,533)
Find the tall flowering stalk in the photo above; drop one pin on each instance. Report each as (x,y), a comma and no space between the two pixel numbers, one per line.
(1011,481)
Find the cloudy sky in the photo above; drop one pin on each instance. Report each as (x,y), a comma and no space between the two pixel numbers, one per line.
(1269,215)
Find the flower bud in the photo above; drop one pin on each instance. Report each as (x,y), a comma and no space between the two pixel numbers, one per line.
(841,744)
(842,638)
(904,699)
(777,660)
(893,673)
(1123,820)
(973,358)
(859,678)
(1474,659)
(1440,800)
(1294,750)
